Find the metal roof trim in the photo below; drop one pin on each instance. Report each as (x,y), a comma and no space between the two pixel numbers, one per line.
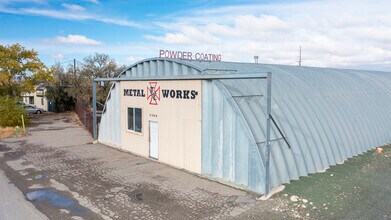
(179,61)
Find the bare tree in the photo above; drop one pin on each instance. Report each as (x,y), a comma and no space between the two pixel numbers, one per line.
(98,65)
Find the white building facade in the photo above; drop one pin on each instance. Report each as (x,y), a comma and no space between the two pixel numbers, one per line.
(36,98)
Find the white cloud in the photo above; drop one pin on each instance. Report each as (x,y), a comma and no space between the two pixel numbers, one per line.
(23,1)
(121,22)
(58,56)
(349,33)
(76,39)
(77,14)
(73,7)
(133,59)
(332,33)
(93,1)
(186,35)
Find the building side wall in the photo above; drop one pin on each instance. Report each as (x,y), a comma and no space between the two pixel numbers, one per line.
(229,152)
(39,101)
(179,123)
(110,123)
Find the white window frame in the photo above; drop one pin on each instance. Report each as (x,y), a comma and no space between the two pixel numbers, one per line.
(134,121)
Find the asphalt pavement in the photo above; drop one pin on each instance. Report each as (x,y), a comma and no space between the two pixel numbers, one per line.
(65,176)
(56,171)
(13,204)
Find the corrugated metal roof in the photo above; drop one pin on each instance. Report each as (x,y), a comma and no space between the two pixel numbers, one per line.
(326,114)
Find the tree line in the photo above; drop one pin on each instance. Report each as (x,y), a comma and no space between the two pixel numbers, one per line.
(21,71)
(73,83)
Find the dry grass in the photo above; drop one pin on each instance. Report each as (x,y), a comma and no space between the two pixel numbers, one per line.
(8,132)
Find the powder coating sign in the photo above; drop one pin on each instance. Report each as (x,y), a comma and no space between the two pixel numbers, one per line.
(186,55)
(154,93)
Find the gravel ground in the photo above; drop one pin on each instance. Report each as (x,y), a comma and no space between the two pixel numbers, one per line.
(65,176)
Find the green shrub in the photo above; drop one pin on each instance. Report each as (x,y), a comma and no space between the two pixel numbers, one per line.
(11,111)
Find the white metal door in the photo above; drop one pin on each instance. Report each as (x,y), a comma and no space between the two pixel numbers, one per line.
(154,140)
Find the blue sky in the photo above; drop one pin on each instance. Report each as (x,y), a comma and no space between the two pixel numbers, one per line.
(334,33)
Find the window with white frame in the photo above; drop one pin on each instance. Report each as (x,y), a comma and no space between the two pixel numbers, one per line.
(135,119)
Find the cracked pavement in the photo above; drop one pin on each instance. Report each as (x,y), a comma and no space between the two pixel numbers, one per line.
(65,176)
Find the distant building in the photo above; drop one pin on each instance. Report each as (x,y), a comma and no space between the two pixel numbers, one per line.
(36,98)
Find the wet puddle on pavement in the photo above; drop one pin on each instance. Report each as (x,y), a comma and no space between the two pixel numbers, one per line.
(13,155)
(55,199)
(40,176)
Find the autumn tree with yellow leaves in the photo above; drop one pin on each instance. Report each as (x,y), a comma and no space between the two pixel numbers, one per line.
(20,70)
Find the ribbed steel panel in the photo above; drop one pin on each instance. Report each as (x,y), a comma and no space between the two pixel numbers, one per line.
(327,115)
(110,123)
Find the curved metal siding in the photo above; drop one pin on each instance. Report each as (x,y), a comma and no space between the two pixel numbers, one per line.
(327,115)
(228,149)
(110,123)
(160,67)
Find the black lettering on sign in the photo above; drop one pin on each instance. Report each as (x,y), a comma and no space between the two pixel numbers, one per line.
(134,92)
(193,94)
(186,94)
(172,93)
(179,94)
(165,93)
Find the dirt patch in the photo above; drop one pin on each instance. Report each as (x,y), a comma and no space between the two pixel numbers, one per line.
(9,132)
(358,189)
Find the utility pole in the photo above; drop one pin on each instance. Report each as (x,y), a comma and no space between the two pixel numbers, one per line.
(74,67)
(300,56)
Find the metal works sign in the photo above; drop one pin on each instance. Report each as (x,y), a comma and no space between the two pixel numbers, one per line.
(155,93)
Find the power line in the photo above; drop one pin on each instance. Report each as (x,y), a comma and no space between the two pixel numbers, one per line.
(66,61)
(83,64)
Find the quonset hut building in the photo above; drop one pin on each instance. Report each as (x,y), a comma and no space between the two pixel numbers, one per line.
(216,128)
